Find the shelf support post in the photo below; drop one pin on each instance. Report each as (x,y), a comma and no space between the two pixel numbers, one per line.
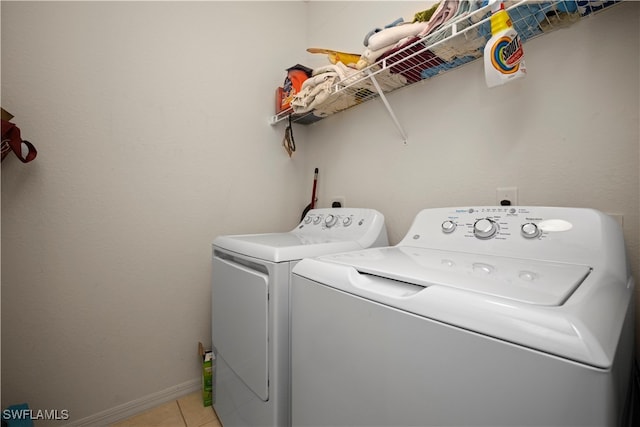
(388,106)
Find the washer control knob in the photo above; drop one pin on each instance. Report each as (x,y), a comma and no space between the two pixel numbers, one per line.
(317,220)
(347,221)
(485,228)
(448,226)
(530,230)
(307,219)
(330,220)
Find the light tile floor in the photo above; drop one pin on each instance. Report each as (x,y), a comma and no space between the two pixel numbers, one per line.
(184,412)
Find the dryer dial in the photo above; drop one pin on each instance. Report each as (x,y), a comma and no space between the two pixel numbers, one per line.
(330,220)
(485,228)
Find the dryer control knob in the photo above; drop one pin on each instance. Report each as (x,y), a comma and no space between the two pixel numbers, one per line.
(530,230)
(317,219)
(485,228)
(330,220)
(448,226)
(347,221)
(307,219)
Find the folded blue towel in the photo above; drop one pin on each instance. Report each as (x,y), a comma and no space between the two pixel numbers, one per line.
(527,18)
(587,7)
(430,72)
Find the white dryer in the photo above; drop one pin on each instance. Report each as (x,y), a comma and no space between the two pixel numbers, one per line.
(251,279)
(485,316)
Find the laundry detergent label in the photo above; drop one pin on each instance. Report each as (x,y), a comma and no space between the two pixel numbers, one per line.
(506,54)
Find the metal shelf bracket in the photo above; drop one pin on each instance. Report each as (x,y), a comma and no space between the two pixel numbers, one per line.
(388,106)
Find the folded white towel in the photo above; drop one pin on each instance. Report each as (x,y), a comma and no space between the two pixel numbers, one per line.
(319,94)
(370,56)
(390,36)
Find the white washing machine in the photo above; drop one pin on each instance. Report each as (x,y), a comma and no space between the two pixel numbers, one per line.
(485,316)
(251,281)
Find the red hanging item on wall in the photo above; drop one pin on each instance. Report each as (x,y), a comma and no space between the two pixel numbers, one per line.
(12,141)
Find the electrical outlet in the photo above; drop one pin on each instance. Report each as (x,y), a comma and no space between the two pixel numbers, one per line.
(337,199)
(507,196)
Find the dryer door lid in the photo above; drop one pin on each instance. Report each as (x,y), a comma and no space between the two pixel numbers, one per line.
(283,247)
(241,321)
(530,281)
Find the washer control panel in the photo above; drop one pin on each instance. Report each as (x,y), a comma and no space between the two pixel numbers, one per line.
(511,230)
(498,223)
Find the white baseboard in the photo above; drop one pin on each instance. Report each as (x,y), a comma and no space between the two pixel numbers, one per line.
(137,406)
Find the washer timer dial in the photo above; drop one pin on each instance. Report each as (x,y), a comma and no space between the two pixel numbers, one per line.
(485,228)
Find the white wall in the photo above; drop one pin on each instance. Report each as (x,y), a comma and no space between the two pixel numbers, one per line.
(151,124)
(566,135)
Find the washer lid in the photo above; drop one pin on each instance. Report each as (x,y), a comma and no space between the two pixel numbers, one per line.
(567,310)
(530,281)
(281,247)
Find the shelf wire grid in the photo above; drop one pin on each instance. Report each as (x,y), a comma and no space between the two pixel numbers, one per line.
(458,41)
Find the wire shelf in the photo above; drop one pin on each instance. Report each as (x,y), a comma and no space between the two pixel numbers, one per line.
(458,41)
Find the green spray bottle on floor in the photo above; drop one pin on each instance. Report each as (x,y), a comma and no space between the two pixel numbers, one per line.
(503,54)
